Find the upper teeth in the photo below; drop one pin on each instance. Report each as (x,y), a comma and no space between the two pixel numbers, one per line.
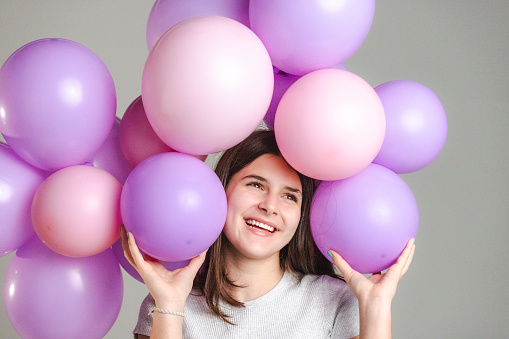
(260,224)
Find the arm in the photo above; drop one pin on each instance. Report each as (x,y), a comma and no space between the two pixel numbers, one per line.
(169,289)
(375,293)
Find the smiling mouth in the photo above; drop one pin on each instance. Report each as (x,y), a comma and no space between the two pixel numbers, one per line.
(260,225)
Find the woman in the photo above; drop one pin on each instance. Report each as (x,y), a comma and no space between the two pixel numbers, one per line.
(264,277)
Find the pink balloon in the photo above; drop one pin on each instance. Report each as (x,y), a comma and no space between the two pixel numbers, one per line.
(207,84)
(367,218)
(76,211)
(416,126)
(110,158)
(18,183)
(48,295)
(58,103)
(167,13)
(304,36)
(330,124)
(138,140)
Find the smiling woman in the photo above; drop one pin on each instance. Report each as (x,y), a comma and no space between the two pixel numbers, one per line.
(264,276)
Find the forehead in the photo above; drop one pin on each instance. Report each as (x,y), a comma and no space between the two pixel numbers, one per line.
(274,169)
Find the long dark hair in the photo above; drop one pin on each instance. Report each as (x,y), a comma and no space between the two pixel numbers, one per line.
(300,255)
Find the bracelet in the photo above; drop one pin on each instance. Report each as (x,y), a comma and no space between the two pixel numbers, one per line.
(160,310)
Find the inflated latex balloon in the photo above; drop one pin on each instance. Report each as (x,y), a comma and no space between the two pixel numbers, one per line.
(166,13)
(206,85)
(18,183)
(110,157)
(76,211)
(367,218)
(304,36)
(330,124)
(416,126)
(124,263)
(48,295)
(282,81)
(175,206)
(58,103)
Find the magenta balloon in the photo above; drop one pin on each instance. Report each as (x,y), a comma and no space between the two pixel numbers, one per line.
(282,81)
(416,126)
(304,36)
(119,254)
(48,295)
(110,157)
(166,13)
(18,183)
(175,206)
(58,103)
(367,218)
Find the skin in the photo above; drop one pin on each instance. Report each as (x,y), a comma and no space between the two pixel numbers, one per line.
(269,191)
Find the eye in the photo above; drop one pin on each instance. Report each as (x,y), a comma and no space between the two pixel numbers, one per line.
(255,184)
(291,197)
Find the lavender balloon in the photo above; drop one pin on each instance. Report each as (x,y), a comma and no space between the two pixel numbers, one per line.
(302,36)
(175,206)
(416,128)
(167,13)
(48,295)
(18,183)
(367,218)
(58,103)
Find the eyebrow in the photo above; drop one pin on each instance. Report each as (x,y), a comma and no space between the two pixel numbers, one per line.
(262,179)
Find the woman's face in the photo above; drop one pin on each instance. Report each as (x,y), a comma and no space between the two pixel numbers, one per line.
(264,207)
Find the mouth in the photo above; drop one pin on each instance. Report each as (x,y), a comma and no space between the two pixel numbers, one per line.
(260,225)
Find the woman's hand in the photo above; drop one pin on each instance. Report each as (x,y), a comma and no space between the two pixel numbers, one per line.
(168,288)
(379,286)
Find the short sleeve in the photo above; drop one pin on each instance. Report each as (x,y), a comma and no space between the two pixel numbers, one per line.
(144,325)
(346,323)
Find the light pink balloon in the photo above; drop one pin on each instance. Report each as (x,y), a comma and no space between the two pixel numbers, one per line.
(76,211)
(138,140)
(207,84)
(330,124)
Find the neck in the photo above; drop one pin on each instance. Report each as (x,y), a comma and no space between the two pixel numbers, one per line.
(256,277)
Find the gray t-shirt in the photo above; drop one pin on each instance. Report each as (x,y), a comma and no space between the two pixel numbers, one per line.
(317,307)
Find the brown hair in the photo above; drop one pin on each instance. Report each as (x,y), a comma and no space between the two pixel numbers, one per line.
(300,255)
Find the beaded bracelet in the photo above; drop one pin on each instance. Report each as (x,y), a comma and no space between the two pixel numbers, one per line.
(160,310)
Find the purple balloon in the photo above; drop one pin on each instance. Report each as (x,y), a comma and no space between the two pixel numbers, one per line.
(167,13)
(416,126)
(58,103)
(367,218)
(110,157)
(119,254)
(48,295)
(18,183)
(302,36)
(175,206)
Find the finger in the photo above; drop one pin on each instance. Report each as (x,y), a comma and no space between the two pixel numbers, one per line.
(342,265)
(195,263)
(125,246)
(402,259)
(135,252)
(409,260)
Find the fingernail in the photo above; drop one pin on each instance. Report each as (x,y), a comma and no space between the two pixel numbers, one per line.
(329,254)
(127,235)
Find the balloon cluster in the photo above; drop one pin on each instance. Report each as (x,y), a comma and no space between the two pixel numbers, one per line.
(72,172)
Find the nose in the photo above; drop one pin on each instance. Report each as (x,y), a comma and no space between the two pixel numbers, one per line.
(269,204)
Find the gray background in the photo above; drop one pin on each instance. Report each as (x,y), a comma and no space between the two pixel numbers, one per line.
(457,284)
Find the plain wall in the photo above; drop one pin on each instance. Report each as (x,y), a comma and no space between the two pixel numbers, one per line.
(457,284)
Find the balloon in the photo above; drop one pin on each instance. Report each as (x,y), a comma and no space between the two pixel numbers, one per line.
(76,211)
(57,101)
(18,183)
(416,126)
(367,218)
(206,85)
(304,36)
(166,13)
(119,254)
(175,206)
(330,124)
(110,158)
(282,81)
(48,295)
